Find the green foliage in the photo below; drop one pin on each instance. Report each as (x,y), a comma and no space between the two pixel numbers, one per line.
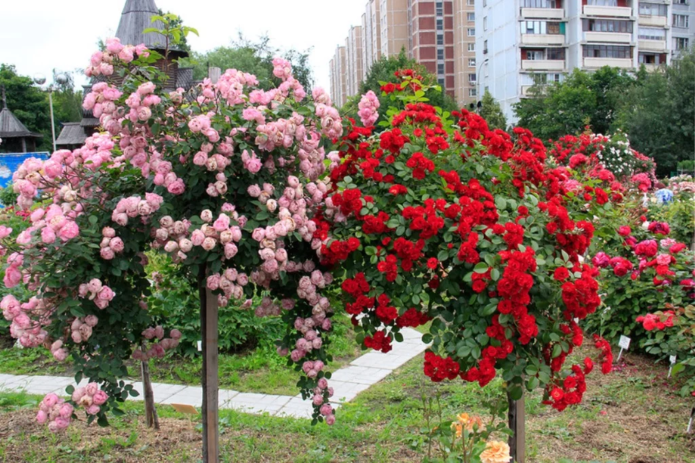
(383,71)
(567,107)
(680,215)
(659,113)
(252,57)
(688,166)
(27,102)
(7,196)
(492,113)
(173,30)
(176,303)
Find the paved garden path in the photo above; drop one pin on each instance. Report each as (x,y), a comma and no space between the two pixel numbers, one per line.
(347,382)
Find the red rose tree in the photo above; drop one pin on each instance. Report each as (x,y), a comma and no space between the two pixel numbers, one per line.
(439,219)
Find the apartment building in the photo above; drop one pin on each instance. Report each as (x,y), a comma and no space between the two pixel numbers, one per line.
(355,68)
(465,69)
(371,34)
(439,34)
(338,76)
(431,38)
(523,41)
(682,25)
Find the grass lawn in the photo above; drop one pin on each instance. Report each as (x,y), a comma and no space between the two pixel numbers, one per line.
(257,370)
(631,416)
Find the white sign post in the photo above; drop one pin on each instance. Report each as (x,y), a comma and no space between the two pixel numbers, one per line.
(624,345)
(672,360)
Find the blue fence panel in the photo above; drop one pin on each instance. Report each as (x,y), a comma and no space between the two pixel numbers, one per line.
(10,162)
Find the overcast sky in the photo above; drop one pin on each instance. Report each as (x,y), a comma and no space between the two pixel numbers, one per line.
(39,35)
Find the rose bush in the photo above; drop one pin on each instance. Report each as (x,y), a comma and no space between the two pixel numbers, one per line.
(671,332)
(443,220)
(221,178)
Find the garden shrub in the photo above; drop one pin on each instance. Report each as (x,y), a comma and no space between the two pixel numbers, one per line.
(471,229)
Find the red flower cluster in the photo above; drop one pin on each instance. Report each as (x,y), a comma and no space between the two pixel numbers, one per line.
(571,390)
(581,296)
(425,219)
(393,141)
(513,290)
(420,165)
(384,311)
(338,251)
(380,341)
(439,369)
(659,228)
(375,224)
(412,318)
(654,321)
(389,266)
(349,201)
(606,356)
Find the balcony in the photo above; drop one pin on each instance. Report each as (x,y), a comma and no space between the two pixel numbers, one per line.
(595,63)
(543,13)
(542,39)
(652,45)
(543,65)
(659,21)
(609,11)
(608,37)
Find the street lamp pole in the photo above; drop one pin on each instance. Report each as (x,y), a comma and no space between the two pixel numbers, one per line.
(61,79)
(477,78)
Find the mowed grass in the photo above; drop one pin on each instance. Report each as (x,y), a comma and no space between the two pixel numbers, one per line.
(631,416)
(257,370)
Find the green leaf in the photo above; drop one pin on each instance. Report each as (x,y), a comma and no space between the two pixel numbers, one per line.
(481,267)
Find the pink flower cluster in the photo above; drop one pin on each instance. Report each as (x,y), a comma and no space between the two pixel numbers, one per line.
(111,244)
(29,333)
(81,331)
(231,282)
(102,100)
(140,103)
(158,349)
(368,109)
(102,62)
(54,411)
(97,292)
(321,393)
(90,397)
(132,207)
(331,123)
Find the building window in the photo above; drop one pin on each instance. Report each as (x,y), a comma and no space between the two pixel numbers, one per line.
(539,4)
(472,92)
(554,78)
(440,9)
(440,69)
(602,2)
(680,20)
(471,16)
(471,3)
(541,27)
(471,46)
(440,24)
(440,81)
(606,25)
(652,33)
(606,51)
(680,2)
(485,23)
(471,62)
(535,55)
(652,9)
(440,39)
(645,58)
(471,78)
(556,54)
(440,53)
(471,32)
(485,47)
(680,43)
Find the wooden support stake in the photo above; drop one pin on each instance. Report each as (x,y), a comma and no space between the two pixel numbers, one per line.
(517,423)
(208,324)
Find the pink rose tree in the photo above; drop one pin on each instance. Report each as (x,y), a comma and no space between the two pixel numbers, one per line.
(224,178)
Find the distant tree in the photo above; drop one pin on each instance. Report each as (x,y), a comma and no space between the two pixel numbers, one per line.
(659,113)
(492,112)
(176,22)
(383,71)
(557,109)
(27,102)
(252,57)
